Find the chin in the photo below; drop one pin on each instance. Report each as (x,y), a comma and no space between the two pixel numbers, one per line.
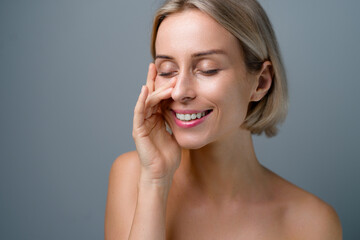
(188,142)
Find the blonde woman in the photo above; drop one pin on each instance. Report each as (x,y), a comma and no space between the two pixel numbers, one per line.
(217,78)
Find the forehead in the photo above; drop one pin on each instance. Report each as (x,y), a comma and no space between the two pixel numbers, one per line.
(193,31)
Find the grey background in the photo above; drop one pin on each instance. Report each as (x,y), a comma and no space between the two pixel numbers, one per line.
(70,73)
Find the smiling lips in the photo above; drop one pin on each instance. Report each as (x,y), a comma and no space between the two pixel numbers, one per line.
(188,119)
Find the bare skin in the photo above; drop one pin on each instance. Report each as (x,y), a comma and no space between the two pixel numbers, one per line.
(204,182)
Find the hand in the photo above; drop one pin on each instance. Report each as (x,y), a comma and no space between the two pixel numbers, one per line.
(158,151)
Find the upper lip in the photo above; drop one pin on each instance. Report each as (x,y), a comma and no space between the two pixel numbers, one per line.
(188,111)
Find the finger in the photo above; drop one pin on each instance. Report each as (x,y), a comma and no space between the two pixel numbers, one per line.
(168,84)
(151,110)
(140,107)
(161,89)
(152,103)
(150,80)
(155,99)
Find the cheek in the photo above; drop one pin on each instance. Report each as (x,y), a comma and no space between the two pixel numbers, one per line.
(159,82)
(230,96)
(225,91)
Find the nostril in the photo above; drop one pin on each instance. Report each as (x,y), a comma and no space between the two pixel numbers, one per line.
(186,99)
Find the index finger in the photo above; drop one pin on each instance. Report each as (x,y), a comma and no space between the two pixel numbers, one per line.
(150,81)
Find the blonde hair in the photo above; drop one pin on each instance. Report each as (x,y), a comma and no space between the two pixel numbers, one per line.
(248,22)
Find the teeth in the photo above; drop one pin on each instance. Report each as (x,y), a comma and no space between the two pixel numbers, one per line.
(188,117)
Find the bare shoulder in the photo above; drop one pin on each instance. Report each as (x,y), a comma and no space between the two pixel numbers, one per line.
(124,173)
(312,218)
(122,195)
(126,164)
(307,216)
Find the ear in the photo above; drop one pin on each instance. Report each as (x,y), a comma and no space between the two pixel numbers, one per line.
(263,82)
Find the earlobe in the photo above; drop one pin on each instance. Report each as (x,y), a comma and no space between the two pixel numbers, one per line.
(263,82)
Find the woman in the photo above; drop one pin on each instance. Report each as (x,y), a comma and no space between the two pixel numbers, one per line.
(217,78)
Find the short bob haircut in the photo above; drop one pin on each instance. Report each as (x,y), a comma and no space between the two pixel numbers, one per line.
(248,22)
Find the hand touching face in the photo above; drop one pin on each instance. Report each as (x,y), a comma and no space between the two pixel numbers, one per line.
(210,98)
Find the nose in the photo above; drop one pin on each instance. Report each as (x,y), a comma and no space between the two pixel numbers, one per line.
(184,89)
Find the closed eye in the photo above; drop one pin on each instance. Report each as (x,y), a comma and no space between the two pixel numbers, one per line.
(165,74)
(210,72)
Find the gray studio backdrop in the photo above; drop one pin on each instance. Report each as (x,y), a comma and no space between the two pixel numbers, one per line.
(70,73)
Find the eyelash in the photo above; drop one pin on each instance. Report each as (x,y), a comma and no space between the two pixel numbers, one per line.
(208,72)
(165,74)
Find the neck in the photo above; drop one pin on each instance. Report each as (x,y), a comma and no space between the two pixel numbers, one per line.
(225,170)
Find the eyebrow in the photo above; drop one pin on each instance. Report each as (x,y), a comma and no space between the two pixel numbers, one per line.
(195,55)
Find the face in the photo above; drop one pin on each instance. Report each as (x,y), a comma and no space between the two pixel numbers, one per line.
(213,89)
